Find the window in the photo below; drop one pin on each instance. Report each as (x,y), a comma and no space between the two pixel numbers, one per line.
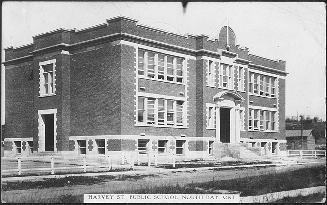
(179,113)
(211,147)
(225,76)
(263,144)
(141,64)
(262,80)
(273,120)
(211,74)
(142,145)
(30,145)
(81,146)
(101,146)
(161,66)
(256,85)
(47,78)
(161,111)
(151,65)
(267,120)
(267,86)
(179,70)
(180,146)
(256,120)
(250,119)
(240,78)
(211,117)
(273,87)
(141,110)
(262,122)
(170,112)
(170,68)
(18,145)
(251,83)
(151,110)
(162,146)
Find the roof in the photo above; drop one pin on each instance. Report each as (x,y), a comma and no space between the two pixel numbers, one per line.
(297,133)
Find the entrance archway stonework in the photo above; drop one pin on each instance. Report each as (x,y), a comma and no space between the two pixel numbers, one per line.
(231,100)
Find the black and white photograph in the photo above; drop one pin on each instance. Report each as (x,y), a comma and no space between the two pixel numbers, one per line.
(163,102)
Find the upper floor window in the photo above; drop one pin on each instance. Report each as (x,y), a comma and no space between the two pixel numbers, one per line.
(211,73)
(262,85)
(47,78)
(161,67)
(226,76)
(240,78)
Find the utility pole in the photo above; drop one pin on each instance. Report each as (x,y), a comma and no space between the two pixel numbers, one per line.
(301,119)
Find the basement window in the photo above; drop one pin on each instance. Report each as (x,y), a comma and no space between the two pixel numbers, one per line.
(101,146)
(18,145)
(81,146)
(180,146)
(211,147)
(142,145)
(30,145)
(162,146)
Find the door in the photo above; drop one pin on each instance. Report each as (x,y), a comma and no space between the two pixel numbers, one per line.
(49,131)
(225,125)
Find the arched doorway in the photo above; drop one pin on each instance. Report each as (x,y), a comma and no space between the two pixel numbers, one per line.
(228,116)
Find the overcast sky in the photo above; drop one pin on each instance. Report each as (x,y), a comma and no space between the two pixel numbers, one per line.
(295,32)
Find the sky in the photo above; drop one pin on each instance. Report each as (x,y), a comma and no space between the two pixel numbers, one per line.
(294,32)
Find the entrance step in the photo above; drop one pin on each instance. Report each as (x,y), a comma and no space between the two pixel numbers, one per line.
(236,151)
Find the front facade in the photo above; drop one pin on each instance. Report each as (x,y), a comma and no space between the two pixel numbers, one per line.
(124,87)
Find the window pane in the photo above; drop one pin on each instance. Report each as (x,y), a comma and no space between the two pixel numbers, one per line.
(151,114)
(161,111)
(179,67)
(161,66)
(170,68)
(179,107)
(141,62)
(151,65)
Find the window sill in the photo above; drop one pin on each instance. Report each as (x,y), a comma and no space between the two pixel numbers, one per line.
(160,80)
(160,126)
(273,131)
(262,96)
(47,95)
(211,128)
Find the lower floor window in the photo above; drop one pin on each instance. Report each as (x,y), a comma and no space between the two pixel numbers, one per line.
(101,146)
(180,146)
(262,120)
(160,111)
(162,146)
(81,146)
(18,145)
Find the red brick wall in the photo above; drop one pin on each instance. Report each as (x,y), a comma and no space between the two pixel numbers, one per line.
(95,92)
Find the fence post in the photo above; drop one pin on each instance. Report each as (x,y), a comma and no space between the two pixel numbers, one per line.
(315,153)
(109,162)
(174,160)
(52,165)
(149,159)
(301,153)
(156,159)
(138,158)
(84,163)
(122,158)
(132,160)
(19,166)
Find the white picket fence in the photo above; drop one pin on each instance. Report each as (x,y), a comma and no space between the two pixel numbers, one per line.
(306,153)
(84,163)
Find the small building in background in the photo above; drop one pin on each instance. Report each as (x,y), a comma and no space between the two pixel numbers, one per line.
(296,141)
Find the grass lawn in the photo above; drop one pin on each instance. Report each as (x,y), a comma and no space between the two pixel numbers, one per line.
(249,186)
